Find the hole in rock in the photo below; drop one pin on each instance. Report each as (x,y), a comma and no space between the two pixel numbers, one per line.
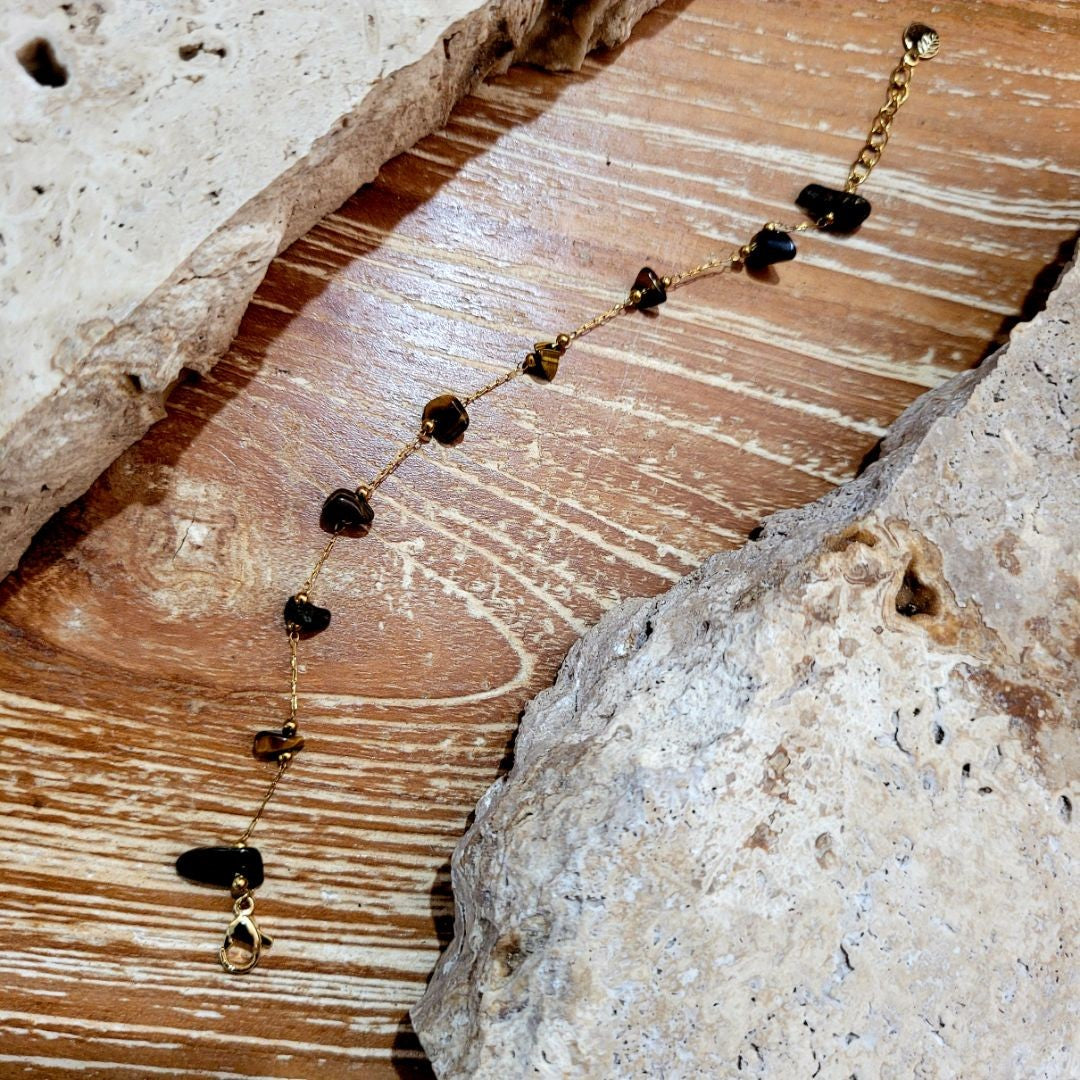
(915,596)
(136,382)
(852,536)
(189,52)
(939,734)
(39,62)
(1066,808)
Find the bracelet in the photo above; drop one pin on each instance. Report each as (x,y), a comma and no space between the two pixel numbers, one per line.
(347,512)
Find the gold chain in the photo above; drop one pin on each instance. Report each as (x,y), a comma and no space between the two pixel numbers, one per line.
(309,584)
(283,764)
(294,641)
(920,42)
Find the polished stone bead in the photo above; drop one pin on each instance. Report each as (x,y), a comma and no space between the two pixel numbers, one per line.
(652,290)
(448,417)
(305,617)
(347,513)
(769,246)
(219,865)
(270,745)
(543,362)
(848,209)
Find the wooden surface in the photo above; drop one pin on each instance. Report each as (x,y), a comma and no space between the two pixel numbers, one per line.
(141,640)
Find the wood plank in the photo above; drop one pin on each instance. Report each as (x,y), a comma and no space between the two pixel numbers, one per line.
(140,643)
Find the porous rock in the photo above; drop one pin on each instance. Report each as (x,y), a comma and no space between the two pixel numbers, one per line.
(155,159)
(814,811)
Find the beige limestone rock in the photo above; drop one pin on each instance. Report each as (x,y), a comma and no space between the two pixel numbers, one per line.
(154,158)
(814,812)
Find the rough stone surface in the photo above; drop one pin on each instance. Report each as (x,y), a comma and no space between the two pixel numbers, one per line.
(813,812)
(153,159)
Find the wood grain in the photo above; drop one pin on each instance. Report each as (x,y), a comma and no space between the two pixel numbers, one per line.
(141,639)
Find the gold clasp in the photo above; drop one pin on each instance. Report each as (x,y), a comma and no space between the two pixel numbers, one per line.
(244,936)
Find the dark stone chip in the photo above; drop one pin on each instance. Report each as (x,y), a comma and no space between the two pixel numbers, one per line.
(848,209)
(769,246)
(219,865)
(543,362)
(270,745)
(651,288)
(448,417)
(347,513)
(305,617)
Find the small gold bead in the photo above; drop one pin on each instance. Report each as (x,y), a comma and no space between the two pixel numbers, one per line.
(239,885)
(563,340)
(666,281)
(303,596)
(635,296)
(288,729)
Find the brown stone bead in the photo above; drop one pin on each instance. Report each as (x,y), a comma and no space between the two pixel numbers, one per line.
(346,513)
(270,745)
(651,288)
(306,618)
(543,362)
(448,418)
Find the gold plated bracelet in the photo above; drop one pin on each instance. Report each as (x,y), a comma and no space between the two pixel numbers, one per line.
(347,512)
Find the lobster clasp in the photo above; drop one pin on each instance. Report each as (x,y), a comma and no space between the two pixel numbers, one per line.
(244,941)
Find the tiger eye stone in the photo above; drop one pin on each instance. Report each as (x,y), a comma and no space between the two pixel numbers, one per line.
(448,417)
(767,247)
(219,865)
(543,362)
(270,745)
(848,209)
(652,290)
(305,617)
(346,513)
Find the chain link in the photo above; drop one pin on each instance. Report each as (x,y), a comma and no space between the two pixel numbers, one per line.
(895,96)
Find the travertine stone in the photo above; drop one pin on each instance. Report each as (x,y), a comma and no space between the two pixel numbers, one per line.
(154,159)
(814,811)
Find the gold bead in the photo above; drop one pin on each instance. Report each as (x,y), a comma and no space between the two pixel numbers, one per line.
(635,297)
(239,885)
(288,729)
(666,281)
(563,340)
